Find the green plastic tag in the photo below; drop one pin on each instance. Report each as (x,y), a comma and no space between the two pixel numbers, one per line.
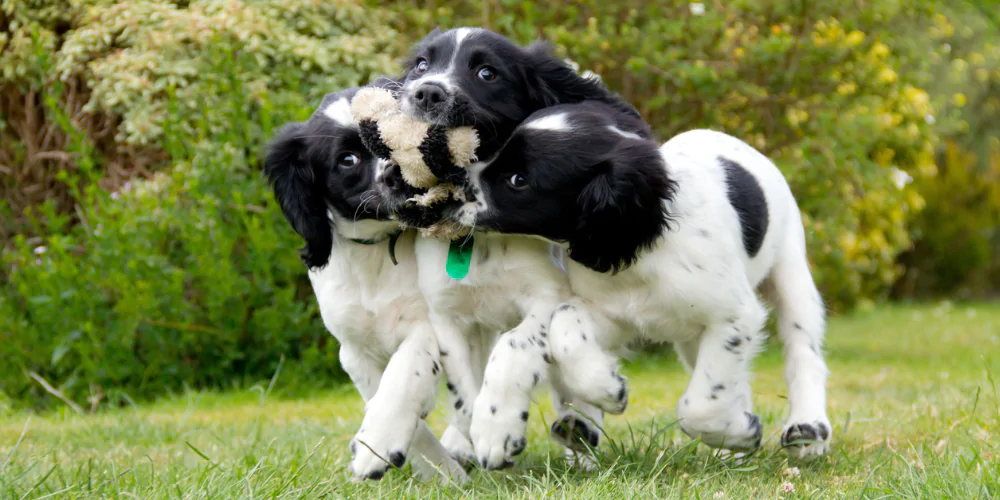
(459,258)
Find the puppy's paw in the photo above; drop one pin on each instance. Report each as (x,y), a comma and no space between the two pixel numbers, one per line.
(458,445)
(737,433)
(498,432)
(806,439)
(382,442)
(615,399)
(370,465)
(575,433)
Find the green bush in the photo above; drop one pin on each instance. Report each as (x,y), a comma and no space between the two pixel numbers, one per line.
(189,277)
(957,240)
(815,85)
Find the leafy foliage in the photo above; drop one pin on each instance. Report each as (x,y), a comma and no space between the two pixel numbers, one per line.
(188,277)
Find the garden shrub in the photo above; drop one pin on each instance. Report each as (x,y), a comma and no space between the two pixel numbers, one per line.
(188,275)
(956,251)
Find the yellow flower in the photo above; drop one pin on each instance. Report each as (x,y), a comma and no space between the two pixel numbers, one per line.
(879,50)
(775,29)
(847,88)
(958,99)
(887,75)
(738,52)
(854,38)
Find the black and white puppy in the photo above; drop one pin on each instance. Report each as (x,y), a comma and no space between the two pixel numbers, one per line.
(475,77)
(665,244)
(323,178)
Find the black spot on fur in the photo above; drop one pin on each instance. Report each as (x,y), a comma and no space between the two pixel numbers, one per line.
(704,233)
(797,326)
(493,409)
(450,386)
(459,403)
(444,353)
(747,197)
(718,387)
(535,377)
(375,475)
(435,368)
(524,416)
(545,356)
(583,336)
(513,344)
(397,459)
(733,343)
(541,343)
(424,415)
(565,307)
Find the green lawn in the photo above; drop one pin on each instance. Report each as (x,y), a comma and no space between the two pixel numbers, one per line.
(912,400)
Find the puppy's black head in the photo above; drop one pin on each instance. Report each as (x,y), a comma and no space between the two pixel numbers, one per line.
(583,174)
(474,77)
(323,177)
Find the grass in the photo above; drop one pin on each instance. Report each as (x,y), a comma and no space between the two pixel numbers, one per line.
(911,394)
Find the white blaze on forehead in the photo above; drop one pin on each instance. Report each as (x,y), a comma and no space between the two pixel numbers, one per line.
(340,112)
(550,122)
(460,35)
(623,133)
(445,77)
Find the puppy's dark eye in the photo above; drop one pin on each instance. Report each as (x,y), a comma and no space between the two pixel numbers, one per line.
(517,181)
(421,66)
(487,74)
(348,160)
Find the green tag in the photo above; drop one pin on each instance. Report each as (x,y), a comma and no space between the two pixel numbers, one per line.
(459,258)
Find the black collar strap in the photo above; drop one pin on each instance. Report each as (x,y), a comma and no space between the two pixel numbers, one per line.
(392,245)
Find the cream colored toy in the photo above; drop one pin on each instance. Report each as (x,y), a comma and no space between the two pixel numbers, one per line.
(432,158)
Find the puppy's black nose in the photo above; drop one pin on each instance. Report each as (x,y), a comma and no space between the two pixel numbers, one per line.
(429,96)
(392,177)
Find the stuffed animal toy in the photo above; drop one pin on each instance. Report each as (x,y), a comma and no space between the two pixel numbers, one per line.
(432,158)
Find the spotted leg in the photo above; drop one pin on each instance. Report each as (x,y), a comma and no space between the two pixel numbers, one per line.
(515,367)
(716,406)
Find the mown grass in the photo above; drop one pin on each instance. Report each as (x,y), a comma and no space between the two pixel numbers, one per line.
(912,399)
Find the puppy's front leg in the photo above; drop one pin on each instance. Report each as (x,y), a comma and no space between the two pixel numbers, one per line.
(463,383)
(394,413)
(716,406)
(517,364)
(582,345)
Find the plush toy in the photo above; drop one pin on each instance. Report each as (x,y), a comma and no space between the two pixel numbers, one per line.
(432,158)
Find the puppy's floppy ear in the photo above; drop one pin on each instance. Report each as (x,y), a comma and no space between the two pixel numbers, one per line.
(551,81)
(299,191)
(622,208)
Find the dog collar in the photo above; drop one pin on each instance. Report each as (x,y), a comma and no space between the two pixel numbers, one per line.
(392,244)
